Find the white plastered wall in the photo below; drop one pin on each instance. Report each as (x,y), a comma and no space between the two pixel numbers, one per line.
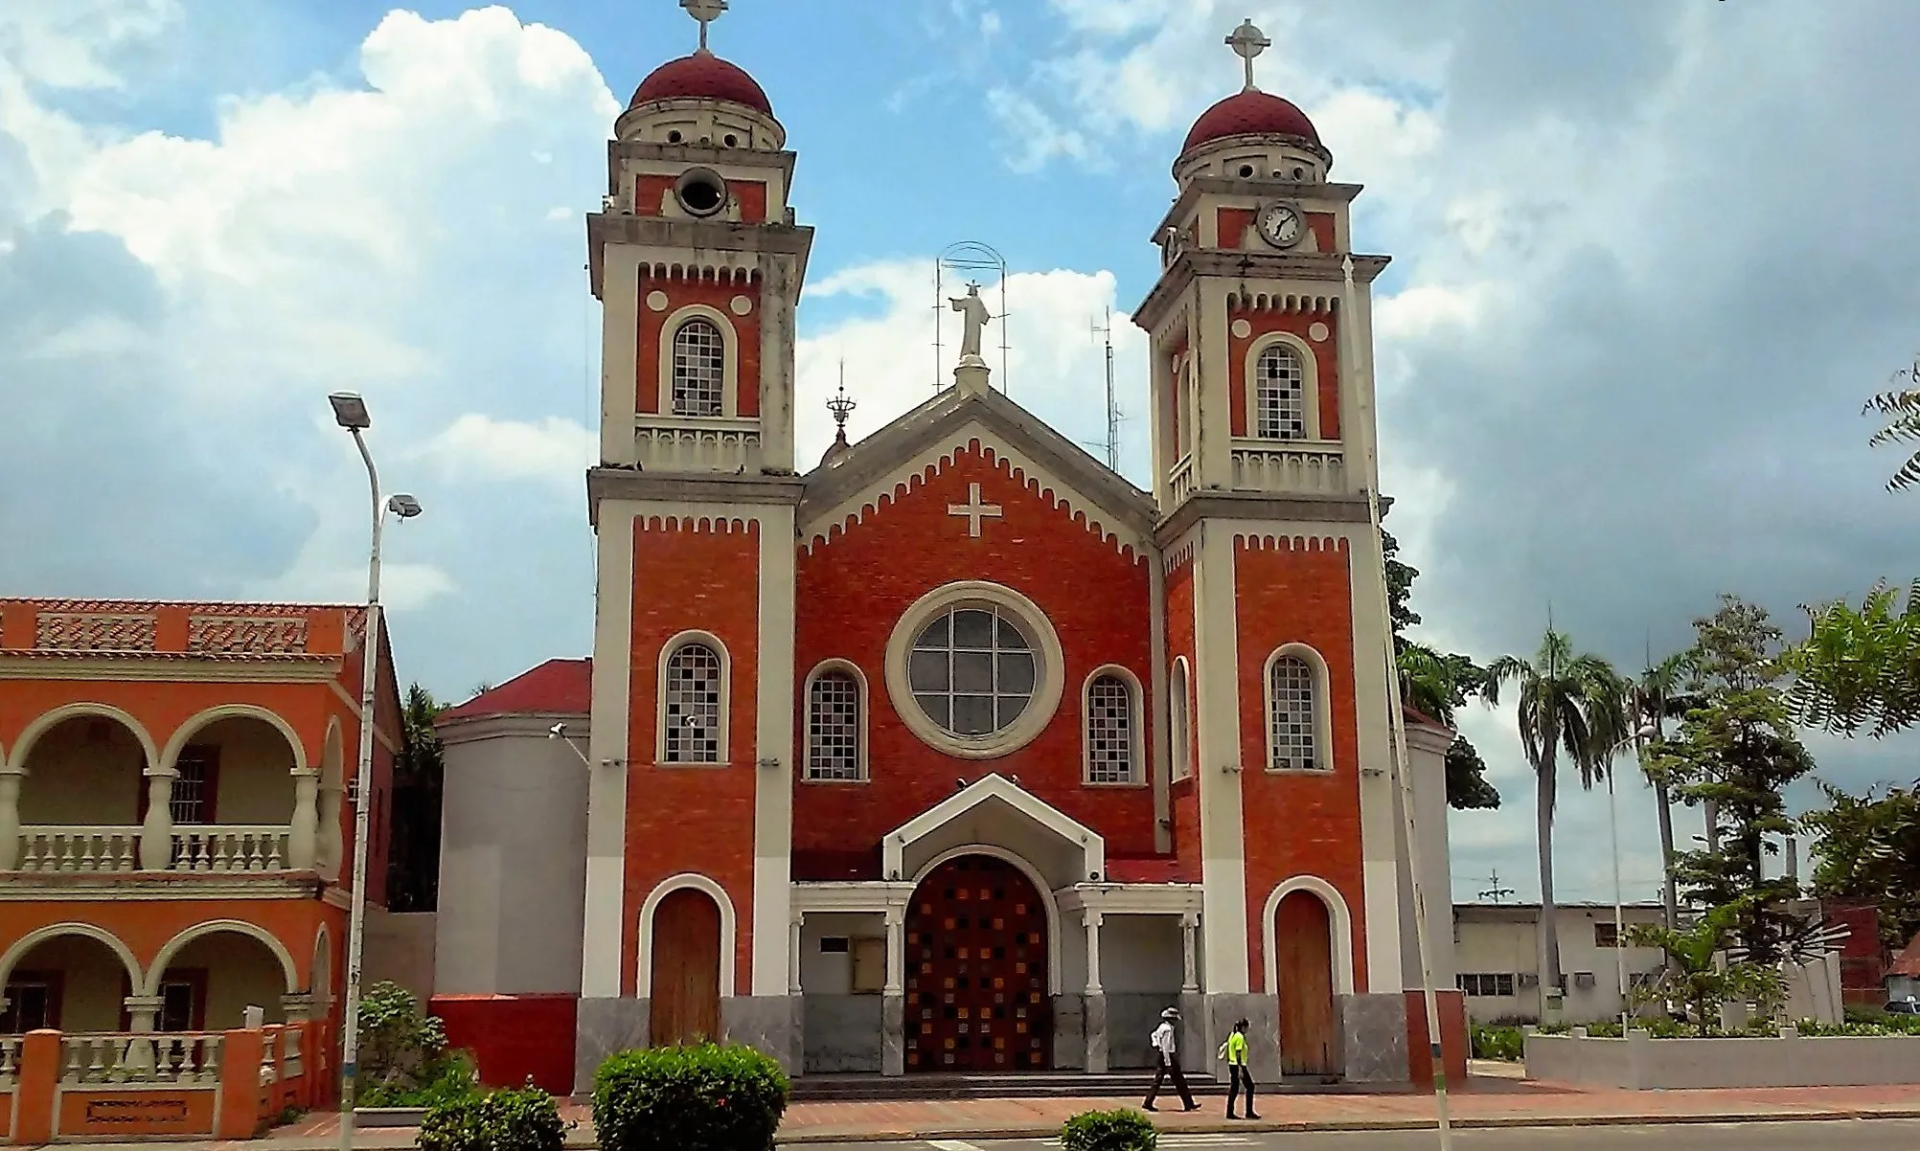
(607,749)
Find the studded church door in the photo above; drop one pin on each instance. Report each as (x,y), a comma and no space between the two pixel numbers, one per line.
(976,967)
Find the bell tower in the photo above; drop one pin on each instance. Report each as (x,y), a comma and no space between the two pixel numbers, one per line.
(1262,448)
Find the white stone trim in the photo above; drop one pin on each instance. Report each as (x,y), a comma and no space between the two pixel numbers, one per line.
(806,722)
(192,727)
(1049,672)
(321,990)
(1092,845)
(772,752)
(1047,901)
(668,650)
(1180,718)
(729,946)
(730,361)
(158,970)
(1136,721)
(832,897)
(1322,708)
(619,353)
(607,742)
(1218,764)
(1309,386)
(48,720)
(1339,926)
(1132,898)
(88,667)
(32,939)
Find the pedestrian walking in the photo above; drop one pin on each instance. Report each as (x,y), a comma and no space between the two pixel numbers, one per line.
(1168,1062)
(1234,1051)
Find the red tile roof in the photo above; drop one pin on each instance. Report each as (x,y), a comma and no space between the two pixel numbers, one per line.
(556,687)
(1907,963)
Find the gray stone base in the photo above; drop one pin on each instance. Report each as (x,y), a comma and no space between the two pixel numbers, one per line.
(1069,1033)
(1372,1031)
(605,1026)
(893,1035)
(1131,1018)
(767,1023)
(1096,1034)
(1262,1013)
(842,1033)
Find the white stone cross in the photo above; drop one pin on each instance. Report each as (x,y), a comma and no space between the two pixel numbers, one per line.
(1247,42)
(705,11)
(974,510)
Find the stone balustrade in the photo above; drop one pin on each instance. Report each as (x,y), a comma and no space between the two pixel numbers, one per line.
(79,849)
(1290,467)
(714,445)
(223,849)
(135,1058)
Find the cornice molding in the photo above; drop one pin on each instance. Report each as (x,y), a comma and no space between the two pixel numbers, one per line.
(636,486)
(1250,506)
(1249,265)
(150,667)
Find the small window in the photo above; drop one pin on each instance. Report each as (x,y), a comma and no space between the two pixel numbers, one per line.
(1489,986)
(180,1005)
(33,1004)
(1110,731)
(833,727)
(833,945)
(699,369)
(1280,395)
(1606,935)
(692,713)
(1295,714)
(195,786)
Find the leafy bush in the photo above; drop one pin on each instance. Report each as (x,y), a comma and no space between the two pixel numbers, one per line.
(523,1120)
(1122,1130)
(401,1046)
(1503,1043)
(705,1098)
(1757,1029)
(449,1076)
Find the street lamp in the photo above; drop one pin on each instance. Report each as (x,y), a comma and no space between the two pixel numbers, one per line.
(350,412)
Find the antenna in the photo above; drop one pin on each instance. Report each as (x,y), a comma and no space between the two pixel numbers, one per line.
(1495,893)
(1104,329)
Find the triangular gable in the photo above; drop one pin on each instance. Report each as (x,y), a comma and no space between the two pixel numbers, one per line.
(883,466)
(995,787)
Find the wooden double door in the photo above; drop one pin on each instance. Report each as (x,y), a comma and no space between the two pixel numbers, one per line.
(684,995)
(976,971)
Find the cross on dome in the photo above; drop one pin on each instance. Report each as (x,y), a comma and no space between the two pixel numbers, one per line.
(705,11)
(1247,42)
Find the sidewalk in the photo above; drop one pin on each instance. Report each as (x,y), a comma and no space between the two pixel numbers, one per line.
(1493,1097)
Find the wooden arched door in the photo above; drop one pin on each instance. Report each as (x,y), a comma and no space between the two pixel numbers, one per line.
(684,995)
(976,968)
(1303,966)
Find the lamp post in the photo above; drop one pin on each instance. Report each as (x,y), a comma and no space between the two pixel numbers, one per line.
(350,412)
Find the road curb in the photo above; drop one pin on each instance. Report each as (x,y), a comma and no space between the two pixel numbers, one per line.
(1309,1126)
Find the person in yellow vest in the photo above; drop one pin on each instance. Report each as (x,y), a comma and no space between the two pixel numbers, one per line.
(1234,1051)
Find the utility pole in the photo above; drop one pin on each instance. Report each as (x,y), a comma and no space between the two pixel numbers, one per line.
(1495,893)
(1104,329)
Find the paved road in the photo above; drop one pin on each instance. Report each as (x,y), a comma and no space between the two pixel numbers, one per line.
(1834,1135)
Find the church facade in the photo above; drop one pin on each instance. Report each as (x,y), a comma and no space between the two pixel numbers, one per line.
(955,751)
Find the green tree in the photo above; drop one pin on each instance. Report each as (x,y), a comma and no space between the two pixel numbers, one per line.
(1859,670)
(1569,703)
(1652,699)
(1436,685)
(413,865)
(1694,978)
(1737,748)
(1900,407)
(1867,848)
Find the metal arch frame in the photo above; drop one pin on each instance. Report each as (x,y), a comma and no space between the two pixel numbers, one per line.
(967,256)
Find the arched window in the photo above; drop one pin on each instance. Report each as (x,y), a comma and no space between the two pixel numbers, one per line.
(692,712)
(1293,708)
(1112,727)
(833,727)
(1280,395)
(1182,725)
(699,369)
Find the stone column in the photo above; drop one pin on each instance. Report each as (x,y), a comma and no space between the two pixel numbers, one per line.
(793,954)
(330,844)
(1096,1009)
(143,1015)
(304,839)
(1193,1006)
(1189,928)
(10,817)
(156,834)
(893,1005)
(298,1007)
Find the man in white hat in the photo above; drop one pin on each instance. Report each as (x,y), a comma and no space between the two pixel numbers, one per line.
(1167,1062)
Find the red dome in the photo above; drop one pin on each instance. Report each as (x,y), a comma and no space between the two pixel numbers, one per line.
(1250,114)
(701,76)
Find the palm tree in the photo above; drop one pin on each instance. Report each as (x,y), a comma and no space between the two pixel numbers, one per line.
(1902,404)
(1651,700)
(1571,703)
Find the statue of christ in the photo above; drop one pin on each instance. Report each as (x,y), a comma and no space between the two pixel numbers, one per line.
(974,309)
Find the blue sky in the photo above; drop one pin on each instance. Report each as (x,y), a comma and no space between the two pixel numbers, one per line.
(1649,260)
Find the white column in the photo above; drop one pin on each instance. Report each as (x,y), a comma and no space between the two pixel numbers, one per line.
(619,352)
(1092,920)
(10,818)
(793,951)
(330,847)
(896,951)
(303,841)
(1223,858)
(773,751)
(143,1012)
(1189,929)
(156,834)
(607,744)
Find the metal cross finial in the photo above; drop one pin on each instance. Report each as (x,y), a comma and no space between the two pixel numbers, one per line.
(1247,42)
(705,11)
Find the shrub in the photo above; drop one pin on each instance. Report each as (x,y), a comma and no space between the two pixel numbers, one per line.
(1122,1130)
(449,1076)
(523,1120)
(1503,1043)
(401,1047)
(705,1098)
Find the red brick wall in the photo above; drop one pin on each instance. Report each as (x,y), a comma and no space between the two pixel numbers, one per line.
(852,590)
(1296,822)
(651,395)
(697,819)
(1321,224)
(752,198)
(1325,356)
(649,193)
(1233,224)
(1185,805)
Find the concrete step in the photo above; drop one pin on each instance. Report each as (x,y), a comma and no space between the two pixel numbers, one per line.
(1031,1085)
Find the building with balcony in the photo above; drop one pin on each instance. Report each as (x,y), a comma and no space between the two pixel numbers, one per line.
(174,811)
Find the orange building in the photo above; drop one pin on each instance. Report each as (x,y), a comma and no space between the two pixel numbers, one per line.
(174,813)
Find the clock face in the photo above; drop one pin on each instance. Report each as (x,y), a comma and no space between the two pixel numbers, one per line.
(1281,225)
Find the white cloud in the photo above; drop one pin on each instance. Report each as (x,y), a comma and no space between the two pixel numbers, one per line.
(554,449)
(1036,135)
(71,43)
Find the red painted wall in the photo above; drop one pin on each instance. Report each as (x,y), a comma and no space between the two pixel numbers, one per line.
(853,588)
(1326,360)
(514,1038)
(1298,822)
(1185,799)
(650,395)
(692,818)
